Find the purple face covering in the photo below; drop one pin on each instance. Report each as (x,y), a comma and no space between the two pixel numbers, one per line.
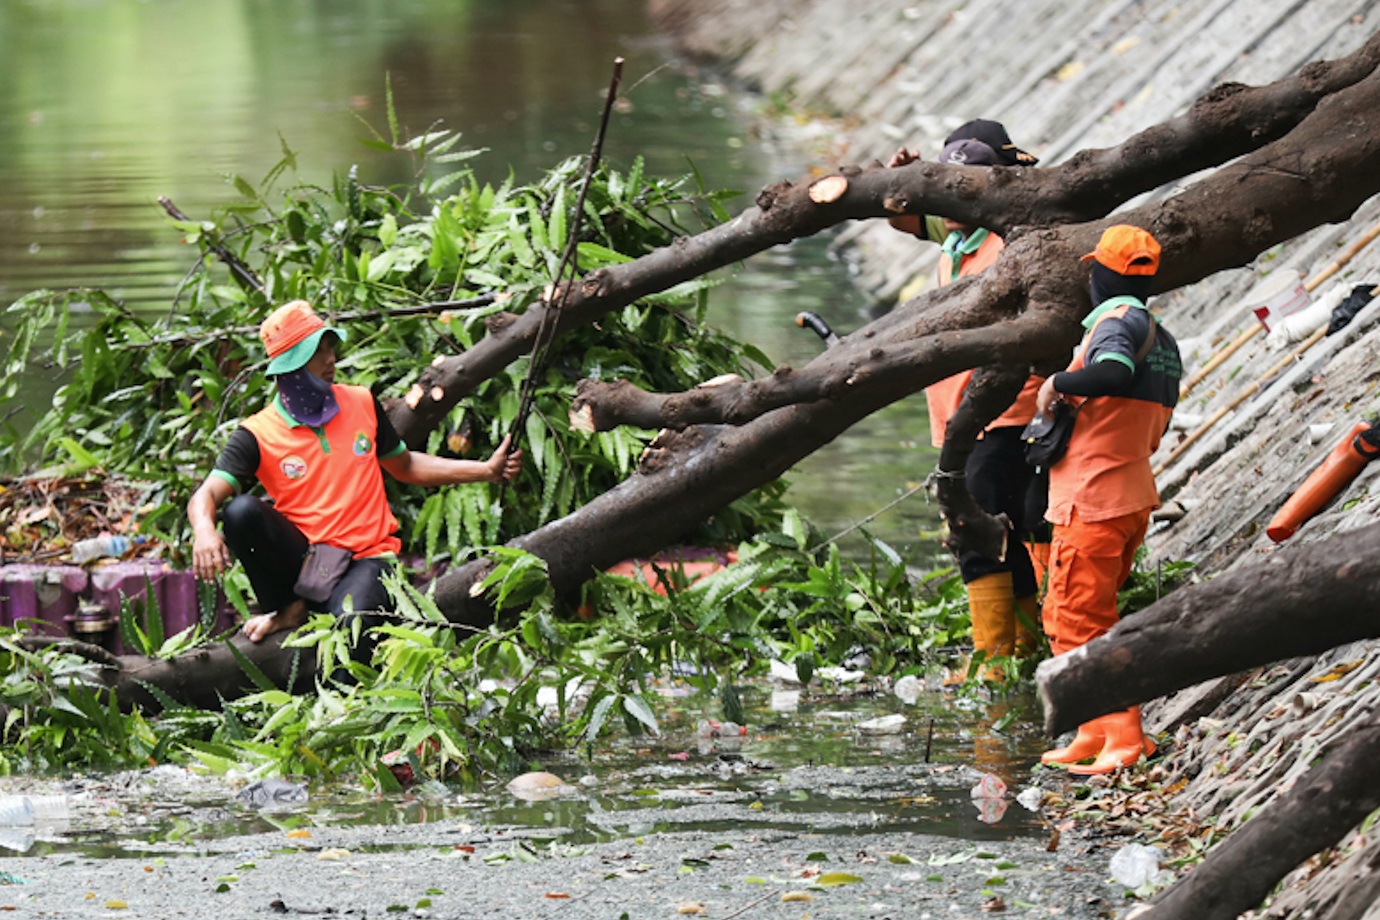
(307,397)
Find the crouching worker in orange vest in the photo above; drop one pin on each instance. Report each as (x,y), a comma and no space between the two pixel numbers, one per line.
(320,450)
(1125,374)
(1001,593)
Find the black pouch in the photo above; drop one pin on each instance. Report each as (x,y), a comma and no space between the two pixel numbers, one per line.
(322,567)
(1047,436)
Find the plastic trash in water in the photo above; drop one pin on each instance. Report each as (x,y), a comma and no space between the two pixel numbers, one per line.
(708,728)
(989,786)
(1136,865)
(42,811)
(989,797)
(908,689)
(780,670)
(25,818)
(272,795)
(885,725)
(1031,798)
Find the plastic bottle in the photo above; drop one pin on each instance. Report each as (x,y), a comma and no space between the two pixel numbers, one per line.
(708,728)
(106,545)
(33,811)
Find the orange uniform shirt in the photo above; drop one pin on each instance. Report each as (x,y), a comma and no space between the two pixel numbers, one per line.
(1106,471)
(327,481)
(942,398)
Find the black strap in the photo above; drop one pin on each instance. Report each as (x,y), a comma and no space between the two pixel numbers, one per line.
(1149,342)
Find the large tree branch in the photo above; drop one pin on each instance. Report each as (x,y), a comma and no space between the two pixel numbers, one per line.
(1226,123)
(1307,600)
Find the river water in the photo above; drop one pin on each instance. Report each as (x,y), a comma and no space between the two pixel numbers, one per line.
(106,105)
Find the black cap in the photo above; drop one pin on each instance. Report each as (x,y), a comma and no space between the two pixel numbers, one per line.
(993,134)
(969,153)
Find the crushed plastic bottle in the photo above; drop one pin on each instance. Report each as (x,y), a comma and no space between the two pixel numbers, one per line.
(989,786)
(43,811)
(908,689)
(99,547)
(272,795)
(708,728)
(1136,865)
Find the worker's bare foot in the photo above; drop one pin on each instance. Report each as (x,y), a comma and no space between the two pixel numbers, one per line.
(265,624)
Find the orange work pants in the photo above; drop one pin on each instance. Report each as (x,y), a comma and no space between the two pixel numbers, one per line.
(1088,563)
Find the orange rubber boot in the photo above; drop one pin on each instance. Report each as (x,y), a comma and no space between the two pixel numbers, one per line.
(1126,743)
(1089,742)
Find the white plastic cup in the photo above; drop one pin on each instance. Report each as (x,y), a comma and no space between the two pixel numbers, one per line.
(1279,295)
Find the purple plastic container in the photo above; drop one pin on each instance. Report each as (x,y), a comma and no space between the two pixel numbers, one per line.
(173,590)
(46,593)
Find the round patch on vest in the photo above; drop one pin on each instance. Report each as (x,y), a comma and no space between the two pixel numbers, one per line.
(362,444)
(293,467)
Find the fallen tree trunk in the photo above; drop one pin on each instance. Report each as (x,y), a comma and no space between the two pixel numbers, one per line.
(1335,796)
(198,679)
(1306,600)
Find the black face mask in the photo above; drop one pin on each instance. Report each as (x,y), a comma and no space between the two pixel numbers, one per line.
(1107,284)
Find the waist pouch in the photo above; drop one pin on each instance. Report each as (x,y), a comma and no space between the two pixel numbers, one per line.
(1047,436)
(322,568)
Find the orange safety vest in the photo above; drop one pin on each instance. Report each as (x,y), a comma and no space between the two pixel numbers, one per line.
(943,397)
(1106,472)
(327,481)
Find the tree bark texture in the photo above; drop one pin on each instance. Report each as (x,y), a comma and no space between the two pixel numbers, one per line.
(1334,796)
(1306,600)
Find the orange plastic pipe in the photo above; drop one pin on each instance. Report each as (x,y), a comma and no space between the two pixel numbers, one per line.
(1345,462)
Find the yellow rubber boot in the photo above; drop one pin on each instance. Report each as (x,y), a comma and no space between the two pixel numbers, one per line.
(1091,738)
(1124,745)
(992,604)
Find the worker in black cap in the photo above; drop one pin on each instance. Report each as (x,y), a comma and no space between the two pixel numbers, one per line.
(1002,594)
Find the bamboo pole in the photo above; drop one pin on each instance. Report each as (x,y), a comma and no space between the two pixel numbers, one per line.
(1241,397)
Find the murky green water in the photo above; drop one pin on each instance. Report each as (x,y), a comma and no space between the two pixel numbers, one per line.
(807,764)
(105,105)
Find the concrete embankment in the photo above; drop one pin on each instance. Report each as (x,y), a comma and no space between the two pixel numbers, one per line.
(1066,77)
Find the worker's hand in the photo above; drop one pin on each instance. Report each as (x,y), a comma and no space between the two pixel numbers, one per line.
(1047,396)
(210,556)
(902,157)
(503,466)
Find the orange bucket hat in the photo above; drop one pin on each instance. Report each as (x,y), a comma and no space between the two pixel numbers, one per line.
(1127,250)
(291,335)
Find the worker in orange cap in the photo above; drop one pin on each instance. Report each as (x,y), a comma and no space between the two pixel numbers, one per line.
(320,450)
(1125,374)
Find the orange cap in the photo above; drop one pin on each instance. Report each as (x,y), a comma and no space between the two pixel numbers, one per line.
(291,334)
(1127,250)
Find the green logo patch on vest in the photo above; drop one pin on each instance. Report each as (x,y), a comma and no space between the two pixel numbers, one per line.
(362,444)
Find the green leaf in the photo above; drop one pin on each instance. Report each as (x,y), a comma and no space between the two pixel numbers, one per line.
(637,707)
